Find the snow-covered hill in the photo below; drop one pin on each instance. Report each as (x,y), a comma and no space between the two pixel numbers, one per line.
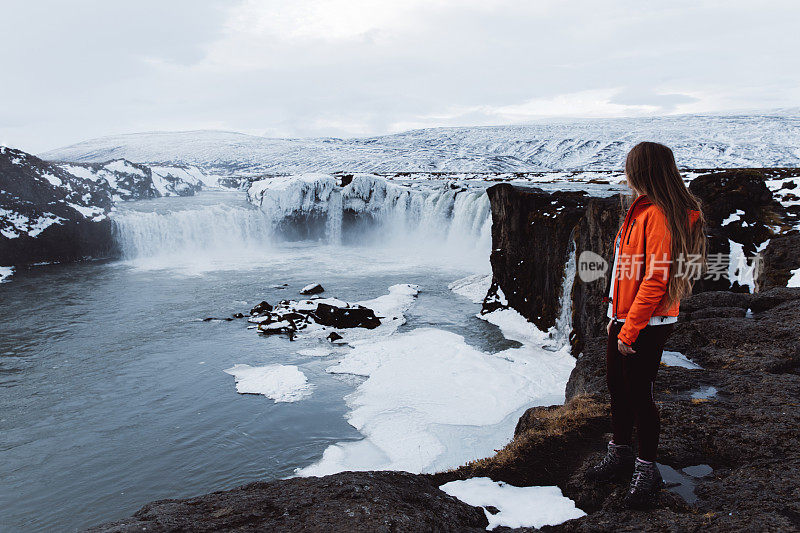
(59,211)
(700,141)
(133,181)
(48,214)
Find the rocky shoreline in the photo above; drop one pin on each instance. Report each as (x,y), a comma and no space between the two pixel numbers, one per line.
(736,416)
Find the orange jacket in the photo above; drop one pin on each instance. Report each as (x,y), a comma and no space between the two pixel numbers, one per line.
(642,274)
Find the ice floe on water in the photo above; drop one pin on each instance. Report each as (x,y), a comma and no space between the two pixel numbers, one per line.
(473,287)
(5,273)
(282,383)
(430,401)
(678,359)
(315,352)
(517,506)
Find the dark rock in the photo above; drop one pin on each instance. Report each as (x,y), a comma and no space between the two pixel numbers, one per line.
(718,312)
(532,235)
(315,288)
(238,315)
(723,194)
(781,256)
(763,301)
(290,316)
(351,501)
(263,307)
(333,336)
(704,300)
(596,231)
(38,193)
(346,317)
(589,375)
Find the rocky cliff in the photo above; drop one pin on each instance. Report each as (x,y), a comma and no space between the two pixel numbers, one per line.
(57,211)
(48,214)
(532,234)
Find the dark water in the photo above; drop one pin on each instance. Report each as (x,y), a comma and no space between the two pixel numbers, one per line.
(112,392)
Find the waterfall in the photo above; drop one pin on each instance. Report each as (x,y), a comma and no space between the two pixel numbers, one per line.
(563,327)
(373,209)
(208,227)
(427,219)
(333,227)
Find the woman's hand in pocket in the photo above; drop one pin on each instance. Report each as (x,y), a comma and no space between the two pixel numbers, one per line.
(608,327)
(625,349)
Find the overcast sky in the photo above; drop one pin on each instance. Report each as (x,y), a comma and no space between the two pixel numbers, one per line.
(88,68)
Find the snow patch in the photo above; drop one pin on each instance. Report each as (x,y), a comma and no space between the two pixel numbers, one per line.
(472,287)
(678,359)
(54,181)
(5,273)
(431,401)
(518,506)
(733,217)
(42,223)
(794,281)
(282,383)
(91,212)
(315,352)
(739,268)
(121,165)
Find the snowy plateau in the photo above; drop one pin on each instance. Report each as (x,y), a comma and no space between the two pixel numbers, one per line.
(699,141)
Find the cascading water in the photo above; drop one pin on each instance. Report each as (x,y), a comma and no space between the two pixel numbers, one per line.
(431,220)
(563,327)
(333,228)
(372,210)
(150,233)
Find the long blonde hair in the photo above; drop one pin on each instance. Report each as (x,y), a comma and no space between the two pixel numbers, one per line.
(651,170)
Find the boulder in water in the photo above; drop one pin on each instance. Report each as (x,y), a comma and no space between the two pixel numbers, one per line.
(292,316)
(263,307)
(313,288)
(346,317)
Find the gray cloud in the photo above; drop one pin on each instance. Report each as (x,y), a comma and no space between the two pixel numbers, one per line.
(357,67)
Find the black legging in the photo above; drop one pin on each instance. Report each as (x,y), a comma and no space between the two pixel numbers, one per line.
(630,383)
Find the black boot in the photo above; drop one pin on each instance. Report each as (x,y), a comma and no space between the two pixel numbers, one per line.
(645,485)
(617,464)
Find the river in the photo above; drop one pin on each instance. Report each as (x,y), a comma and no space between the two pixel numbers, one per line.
(112,390)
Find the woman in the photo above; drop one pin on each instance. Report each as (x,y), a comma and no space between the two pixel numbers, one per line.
(663,232)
